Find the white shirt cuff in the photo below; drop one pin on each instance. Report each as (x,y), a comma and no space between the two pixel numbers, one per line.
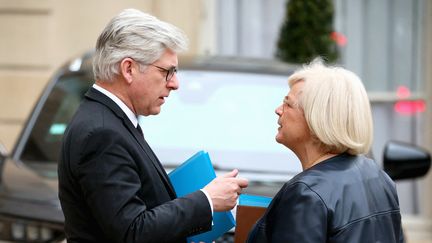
(209,200)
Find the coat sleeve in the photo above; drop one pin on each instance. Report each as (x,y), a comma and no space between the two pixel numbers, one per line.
(113,190)
(297,215)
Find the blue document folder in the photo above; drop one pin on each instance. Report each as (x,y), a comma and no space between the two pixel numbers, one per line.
(192,175)
(254,200)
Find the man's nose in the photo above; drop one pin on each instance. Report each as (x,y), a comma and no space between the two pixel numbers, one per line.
(173,83)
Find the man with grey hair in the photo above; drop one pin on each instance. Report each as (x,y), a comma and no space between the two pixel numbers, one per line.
(112,187)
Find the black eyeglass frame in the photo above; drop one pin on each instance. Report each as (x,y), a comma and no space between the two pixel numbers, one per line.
(170,72)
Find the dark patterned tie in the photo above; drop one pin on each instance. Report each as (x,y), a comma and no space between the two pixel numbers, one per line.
(140,130)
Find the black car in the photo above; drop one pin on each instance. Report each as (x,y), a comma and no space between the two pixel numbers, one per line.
(224,106)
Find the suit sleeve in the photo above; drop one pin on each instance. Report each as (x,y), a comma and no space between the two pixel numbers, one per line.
(401,236)
(109,179)
(297,215)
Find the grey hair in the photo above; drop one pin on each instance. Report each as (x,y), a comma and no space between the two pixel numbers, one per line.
(336,107)
(137,35)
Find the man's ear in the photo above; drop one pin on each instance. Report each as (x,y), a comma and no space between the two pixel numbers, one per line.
(126,67)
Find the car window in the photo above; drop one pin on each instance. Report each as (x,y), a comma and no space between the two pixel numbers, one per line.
(41,151)
(230,115)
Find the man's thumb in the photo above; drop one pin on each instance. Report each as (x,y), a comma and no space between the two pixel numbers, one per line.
(233,173)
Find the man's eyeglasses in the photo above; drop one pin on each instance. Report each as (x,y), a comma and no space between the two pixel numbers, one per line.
(169,72)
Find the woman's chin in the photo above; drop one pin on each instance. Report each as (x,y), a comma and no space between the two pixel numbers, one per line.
(278,138)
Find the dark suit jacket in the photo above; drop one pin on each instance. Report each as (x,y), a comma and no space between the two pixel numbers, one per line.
(112,187)
(343,199)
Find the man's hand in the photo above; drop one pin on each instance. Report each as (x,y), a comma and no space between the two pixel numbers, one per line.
(224,190)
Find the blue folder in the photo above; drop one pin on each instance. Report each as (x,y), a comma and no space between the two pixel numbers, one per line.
(192,175)
(254,200)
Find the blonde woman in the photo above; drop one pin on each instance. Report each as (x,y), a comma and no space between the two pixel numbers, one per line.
(341,196)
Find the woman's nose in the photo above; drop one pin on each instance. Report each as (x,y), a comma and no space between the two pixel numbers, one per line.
(279,110)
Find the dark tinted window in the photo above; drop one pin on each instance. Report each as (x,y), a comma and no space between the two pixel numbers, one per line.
(43,145)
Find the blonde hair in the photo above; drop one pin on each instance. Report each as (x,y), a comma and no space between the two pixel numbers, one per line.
(336,107)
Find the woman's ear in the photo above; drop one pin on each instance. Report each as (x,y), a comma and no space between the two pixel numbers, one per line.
(126,66)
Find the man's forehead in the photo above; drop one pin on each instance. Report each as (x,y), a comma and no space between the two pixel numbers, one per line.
(169,58)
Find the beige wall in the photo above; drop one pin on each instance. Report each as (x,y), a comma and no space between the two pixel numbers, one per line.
(39,36)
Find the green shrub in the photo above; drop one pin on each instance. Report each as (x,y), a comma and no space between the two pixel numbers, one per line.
(306,32)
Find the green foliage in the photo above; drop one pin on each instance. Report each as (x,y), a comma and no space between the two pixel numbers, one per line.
(306,32)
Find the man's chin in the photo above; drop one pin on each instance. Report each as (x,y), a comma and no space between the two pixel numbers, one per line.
(156,111)
(152,112)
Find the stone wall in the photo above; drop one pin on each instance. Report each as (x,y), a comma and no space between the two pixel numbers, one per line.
(36,37)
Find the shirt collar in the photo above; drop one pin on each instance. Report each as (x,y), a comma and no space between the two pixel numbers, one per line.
(129,113)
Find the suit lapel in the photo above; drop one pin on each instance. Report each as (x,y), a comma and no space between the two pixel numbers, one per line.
(105,100)
(144,145)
